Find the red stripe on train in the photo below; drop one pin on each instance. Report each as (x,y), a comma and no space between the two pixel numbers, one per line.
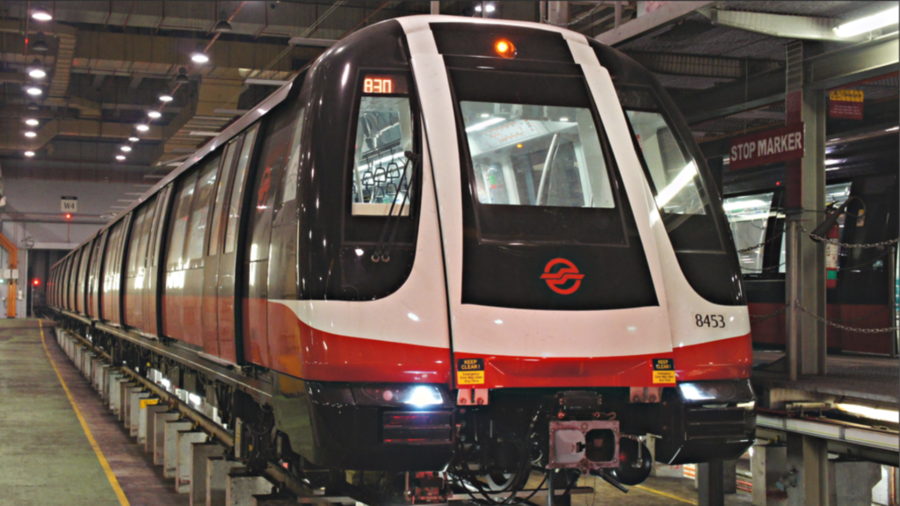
(725,359)
(299,350)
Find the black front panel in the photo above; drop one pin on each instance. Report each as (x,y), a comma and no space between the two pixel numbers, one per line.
(513,255)
(480,40)
(336,246)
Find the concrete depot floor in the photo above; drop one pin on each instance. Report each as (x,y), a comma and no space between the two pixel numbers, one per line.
(46,459)
(45,456)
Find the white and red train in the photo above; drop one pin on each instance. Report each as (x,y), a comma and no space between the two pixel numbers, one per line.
(451,244)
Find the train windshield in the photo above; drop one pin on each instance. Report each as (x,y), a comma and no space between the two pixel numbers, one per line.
(535,159)
(536,155)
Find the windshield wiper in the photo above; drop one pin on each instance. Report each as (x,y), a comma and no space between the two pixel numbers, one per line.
(382,251)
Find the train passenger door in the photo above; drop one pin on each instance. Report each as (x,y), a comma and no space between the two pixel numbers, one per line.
(151,293)
(213,326)
(229,316)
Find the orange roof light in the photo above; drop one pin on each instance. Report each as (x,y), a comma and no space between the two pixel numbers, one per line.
(505,48)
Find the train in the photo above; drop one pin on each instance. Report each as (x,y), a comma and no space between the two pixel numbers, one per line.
(861,171)
(450,252)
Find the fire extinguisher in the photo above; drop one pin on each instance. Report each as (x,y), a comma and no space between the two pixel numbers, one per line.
(832,251)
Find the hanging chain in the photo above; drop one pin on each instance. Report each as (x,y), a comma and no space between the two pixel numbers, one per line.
(751,248)
(843,327)
(852,246)
(578,19)
(756,318)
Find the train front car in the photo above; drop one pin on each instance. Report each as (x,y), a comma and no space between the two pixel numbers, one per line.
(511,254)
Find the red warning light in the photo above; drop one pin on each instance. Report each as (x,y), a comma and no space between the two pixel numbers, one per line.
(36,282)
(68,216)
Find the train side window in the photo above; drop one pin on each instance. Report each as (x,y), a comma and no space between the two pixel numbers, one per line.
(288,188)
(206,183)
(137,251)
(178,228)
(383,134)
(221,195)
(158,225)
(240,177)
(674,173)
(133,250)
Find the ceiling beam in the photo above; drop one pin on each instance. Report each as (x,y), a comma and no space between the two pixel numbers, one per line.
(637,27)
(829,70)
(701,66)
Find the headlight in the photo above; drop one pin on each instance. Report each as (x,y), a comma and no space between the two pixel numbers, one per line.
(417,396)
(717,392)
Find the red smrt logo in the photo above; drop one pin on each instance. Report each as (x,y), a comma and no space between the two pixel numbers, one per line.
(568,272)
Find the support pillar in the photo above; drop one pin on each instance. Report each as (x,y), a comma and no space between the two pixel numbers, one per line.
(241,485)
(150,429)
(200,455)
(170,446)
(183,468)
(558,13)
(710,484)
(768,465)
(217,469)
(854,481)
(808,457)
(143,406)
(159,435)
(134,412)
(804,199)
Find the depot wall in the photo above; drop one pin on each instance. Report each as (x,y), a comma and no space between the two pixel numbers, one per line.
(33,208)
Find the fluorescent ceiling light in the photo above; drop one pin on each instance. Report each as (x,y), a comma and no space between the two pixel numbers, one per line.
(489,8)
(30,134)
(477,127)
(199,57)
(869,23)
(29,154)
(126,148)
(885,415)
(154,114)
(133,139)
(33,90)
(32,122)
(41,14)
(37,70)
(120,157)
(142,128)
(165,97)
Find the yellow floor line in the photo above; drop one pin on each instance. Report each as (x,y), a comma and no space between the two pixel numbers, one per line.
(108,470)
(670,496)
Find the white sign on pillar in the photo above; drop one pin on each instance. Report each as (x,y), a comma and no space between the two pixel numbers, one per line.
(68,204)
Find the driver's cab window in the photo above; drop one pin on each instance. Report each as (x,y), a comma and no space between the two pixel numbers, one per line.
(381,175)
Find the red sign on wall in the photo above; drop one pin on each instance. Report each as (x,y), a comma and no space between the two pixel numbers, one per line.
(846,104)
(769,146)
